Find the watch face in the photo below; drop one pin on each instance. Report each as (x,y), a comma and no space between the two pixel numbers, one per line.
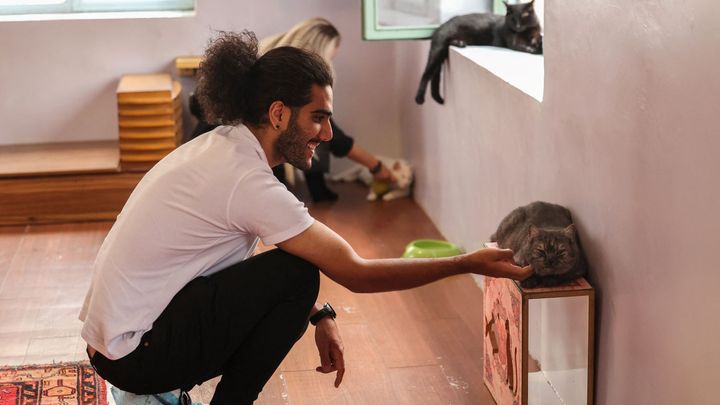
(331,311)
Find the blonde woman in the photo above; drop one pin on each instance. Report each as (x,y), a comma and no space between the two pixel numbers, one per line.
(317,35)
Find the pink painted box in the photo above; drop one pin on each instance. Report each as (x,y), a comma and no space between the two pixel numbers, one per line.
(539,343)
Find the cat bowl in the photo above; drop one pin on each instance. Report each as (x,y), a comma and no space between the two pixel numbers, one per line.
(431,248)
(380,187)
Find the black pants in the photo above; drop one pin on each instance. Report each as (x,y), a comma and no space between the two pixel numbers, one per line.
(239,323)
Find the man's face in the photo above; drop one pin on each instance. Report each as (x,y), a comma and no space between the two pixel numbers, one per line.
(309,125)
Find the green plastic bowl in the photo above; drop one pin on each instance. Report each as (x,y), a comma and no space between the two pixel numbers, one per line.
(431,248)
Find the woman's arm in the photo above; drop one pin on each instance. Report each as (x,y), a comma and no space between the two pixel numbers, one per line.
(365,158)
(343,145)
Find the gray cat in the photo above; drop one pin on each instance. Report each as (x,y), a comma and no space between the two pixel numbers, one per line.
(543,235)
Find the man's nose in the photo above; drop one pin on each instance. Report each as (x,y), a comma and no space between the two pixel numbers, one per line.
(326,132)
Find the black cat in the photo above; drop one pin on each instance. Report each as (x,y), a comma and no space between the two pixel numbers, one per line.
(519,30)
(543,235)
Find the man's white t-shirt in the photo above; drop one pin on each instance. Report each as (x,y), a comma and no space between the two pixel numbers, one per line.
(199,210)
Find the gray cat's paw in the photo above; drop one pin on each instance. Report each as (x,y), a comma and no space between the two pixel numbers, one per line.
(530,282)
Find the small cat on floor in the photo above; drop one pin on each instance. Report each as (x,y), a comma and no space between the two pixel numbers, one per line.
(519,30)
(543,235)
(400,168)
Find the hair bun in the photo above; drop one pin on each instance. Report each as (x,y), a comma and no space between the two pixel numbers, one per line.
(223,76)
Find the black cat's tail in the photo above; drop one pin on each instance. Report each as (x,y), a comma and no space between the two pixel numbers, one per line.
(435,87)
(438,54)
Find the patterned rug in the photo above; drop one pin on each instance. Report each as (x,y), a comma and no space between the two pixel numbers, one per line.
(52,384)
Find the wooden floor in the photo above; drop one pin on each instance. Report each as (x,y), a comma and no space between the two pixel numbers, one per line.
(421,346)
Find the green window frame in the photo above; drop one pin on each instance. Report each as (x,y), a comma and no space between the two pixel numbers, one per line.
(373,31)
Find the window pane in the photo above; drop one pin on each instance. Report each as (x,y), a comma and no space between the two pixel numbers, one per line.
(133,5)
(29,2)
(21,7)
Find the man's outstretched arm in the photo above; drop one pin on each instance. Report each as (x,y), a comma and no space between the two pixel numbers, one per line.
(335,257)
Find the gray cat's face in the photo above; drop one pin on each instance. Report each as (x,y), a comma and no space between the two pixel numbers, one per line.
(553,252)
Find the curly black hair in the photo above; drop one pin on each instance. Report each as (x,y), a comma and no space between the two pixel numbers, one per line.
(223,75)
(236,86)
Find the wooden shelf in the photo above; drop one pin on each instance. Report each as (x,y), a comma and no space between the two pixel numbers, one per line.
(62,182)
(59,159)
(64,198)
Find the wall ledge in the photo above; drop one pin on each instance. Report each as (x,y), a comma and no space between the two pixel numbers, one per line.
(522,70)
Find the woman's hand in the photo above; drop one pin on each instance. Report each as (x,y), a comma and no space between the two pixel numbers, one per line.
(496,262)
(385,175)
(330,347)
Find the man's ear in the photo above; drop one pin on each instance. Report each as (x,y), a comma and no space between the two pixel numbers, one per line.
(278,115)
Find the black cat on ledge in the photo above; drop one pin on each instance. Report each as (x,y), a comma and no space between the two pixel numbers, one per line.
(518,30)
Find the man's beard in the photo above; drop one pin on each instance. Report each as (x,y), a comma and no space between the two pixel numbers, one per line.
(288,146)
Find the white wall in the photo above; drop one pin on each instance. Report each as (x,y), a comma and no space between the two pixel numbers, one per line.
(58,78)
(627,138)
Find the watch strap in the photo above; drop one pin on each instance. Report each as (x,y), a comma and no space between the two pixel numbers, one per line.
(326,310)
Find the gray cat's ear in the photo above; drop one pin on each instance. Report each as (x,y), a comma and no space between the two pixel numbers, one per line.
(570,231)
(505,3)
(533,231)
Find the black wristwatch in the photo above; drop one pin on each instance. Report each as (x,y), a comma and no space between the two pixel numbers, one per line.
(376,169)
(326,310)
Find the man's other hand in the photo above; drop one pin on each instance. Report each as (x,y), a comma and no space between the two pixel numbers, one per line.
(330,347)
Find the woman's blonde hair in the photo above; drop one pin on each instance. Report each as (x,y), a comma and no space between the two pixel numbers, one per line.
(314,35)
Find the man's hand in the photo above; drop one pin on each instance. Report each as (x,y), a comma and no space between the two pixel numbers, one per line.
(496,262)
(330,347)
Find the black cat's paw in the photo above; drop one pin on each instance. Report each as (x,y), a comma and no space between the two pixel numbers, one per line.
(537,44)
(420,98)
(438,98)
(459,43)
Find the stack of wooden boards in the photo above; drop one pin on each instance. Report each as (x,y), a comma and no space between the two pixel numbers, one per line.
(188,65)
(149,118)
